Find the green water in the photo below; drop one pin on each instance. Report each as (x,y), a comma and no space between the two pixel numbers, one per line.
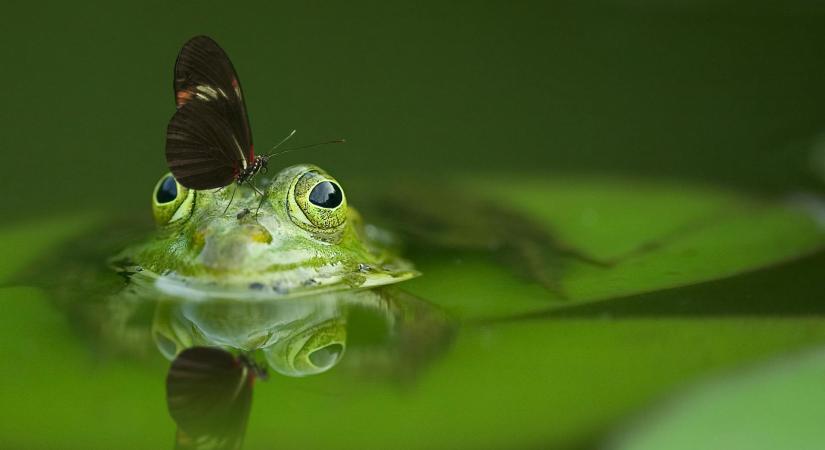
(610,125)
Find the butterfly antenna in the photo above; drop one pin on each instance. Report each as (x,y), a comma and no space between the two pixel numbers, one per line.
(288,137)
(292,149)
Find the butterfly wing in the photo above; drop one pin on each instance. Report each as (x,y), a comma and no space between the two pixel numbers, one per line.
(204,73)
(209,396)
(202,150)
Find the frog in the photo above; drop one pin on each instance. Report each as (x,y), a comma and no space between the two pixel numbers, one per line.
(295,236)
(273,272)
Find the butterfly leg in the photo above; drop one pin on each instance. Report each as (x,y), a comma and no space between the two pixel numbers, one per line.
(263,197)
(230,199)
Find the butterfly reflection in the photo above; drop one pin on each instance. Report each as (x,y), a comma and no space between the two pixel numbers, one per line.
(209,395)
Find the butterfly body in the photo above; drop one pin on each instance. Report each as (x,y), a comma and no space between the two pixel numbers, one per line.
(259,164)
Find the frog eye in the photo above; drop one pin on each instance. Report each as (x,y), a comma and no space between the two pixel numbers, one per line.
(317,203)
(325,357)
(171,201)
(309,352)
(167,191)
(326,194)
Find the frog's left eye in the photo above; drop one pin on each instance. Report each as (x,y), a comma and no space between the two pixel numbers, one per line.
(317,203)
(171,201)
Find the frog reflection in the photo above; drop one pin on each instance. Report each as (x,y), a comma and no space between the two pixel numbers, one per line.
(219,348)
(296,337)
(304,336)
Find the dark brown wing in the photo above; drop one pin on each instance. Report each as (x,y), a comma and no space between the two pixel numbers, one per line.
(209,395)
(203,72)
(201,147)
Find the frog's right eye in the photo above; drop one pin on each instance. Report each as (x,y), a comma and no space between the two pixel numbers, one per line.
(171,201)
(167,191)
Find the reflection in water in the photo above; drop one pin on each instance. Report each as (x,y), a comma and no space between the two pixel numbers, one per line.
(219,347)
(297,337)
(209,394)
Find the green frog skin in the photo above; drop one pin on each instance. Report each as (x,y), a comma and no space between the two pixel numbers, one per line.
(304,239)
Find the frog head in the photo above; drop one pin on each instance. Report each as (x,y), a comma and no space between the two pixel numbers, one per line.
(294,234)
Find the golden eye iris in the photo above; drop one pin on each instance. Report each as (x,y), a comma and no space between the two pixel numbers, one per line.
(171,201)
(318,203)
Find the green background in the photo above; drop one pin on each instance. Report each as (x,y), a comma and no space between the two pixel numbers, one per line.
(717,91)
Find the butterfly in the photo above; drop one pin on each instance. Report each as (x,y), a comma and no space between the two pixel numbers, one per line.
(209,140)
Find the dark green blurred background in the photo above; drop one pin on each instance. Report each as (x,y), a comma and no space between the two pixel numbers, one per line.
(699,90)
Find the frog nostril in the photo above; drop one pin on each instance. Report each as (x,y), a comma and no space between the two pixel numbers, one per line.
(259,234)
(243,213)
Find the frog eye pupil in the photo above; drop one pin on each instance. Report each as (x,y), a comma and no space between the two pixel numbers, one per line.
(326,194)
(168,190)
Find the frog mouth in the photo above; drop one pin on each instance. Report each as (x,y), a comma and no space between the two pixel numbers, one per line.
(299,282)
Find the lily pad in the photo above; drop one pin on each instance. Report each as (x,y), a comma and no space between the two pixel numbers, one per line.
(655,235)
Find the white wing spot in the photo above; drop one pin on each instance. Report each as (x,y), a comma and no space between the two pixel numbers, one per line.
(208,92)
(240,151)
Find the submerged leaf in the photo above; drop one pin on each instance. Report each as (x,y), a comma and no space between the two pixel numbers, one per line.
(651,236)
